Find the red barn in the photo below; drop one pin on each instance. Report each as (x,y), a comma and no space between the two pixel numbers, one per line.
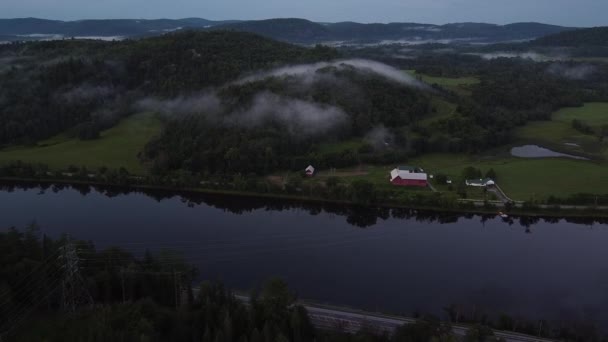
(408,176)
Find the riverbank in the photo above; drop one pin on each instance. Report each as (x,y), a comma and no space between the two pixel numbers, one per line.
(475,207)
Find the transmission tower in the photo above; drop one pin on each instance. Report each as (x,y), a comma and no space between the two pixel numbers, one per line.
(74,290)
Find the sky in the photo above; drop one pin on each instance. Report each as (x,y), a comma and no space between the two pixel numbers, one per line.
(582,13)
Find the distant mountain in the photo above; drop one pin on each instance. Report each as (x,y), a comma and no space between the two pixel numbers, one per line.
(110,27)
(304,31)
(597,36)
(290,30)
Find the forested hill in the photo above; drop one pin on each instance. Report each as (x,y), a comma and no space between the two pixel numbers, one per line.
(597,36)
(304,31)
(290,30)
(48,87)
(109,27)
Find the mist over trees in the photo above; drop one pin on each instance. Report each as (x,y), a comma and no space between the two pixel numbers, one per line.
(72,82)
(237,103)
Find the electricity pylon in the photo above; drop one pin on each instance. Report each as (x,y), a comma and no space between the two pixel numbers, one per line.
(74,290)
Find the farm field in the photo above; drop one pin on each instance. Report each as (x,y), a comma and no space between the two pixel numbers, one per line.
(593,113)
(558,134)
(117,147)
(445,81)
(524,179)
(521,179)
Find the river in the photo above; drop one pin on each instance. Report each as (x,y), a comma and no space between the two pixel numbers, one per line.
(398,261)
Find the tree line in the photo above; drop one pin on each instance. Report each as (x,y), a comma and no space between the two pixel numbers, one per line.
(136,299)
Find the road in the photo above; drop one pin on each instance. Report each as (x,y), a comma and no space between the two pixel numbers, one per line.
(348,320)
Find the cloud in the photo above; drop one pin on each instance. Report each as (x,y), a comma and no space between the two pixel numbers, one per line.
(207,104)
(572,72)
(534,56)
(298,116)
(309,73)
(380,137)
(87,92)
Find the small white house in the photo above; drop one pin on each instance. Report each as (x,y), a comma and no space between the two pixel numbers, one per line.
(310,171)
(480,182)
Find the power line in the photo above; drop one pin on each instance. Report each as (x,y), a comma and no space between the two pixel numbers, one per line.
(30,285)
(74,291)
(36,269)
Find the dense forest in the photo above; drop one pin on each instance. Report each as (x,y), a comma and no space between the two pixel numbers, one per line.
(97,82)
(119,297)
(596,36)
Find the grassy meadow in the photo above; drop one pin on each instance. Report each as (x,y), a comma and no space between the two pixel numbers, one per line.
(559,133)
(117,147)
(459,85)
(445,81)
(593,113)
(521,179)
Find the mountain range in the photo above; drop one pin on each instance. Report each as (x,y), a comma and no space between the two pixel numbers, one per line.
(291,30)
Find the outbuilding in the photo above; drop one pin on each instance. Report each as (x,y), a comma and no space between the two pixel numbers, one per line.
(480,182)
(310,171)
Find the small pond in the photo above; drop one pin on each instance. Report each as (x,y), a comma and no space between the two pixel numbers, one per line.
(535,151)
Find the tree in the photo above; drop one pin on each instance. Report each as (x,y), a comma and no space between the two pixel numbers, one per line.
(276,299)
(471,173)
(363,191)
(332,182)
(441,178)
(478,333)
(491,174)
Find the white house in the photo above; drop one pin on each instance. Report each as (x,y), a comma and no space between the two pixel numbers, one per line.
(310,171)
(480,182)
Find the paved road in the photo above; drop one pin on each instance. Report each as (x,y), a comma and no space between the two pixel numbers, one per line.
(352,321)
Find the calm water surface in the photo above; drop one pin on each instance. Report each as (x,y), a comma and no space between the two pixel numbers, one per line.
(535,151)
(399,261)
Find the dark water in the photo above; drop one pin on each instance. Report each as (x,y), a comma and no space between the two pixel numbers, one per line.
(391,260)
(535,151)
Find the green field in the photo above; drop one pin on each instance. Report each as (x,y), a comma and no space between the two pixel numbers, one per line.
(521,179)
(558,134)
(441,109)
(593,113)
(448,82)
(340,147)
(524,179)
(117,147)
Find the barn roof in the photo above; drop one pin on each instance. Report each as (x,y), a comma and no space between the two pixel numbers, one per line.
(408,168)
(405,174)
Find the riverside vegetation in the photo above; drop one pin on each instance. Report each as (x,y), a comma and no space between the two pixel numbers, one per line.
(135,299)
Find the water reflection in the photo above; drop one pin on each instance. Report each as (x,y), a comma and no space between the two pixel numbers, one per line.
(359,216)
(535,151)
(404,260)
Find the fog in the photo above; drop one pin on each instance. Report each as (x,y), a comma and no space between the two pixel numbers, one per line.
(380,137)
(534,56)
(87,92)
(572,72)
(308,73)
(298,116)
(207,104)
